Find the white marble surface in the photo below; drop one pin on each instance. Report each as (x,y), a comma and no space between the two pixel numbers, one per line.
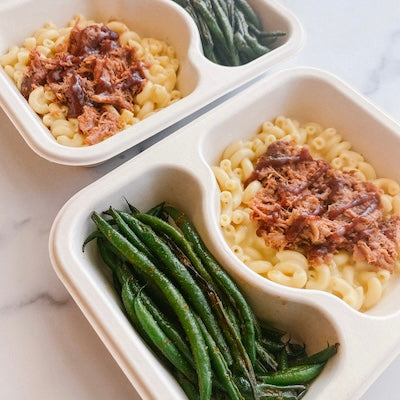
(47,348)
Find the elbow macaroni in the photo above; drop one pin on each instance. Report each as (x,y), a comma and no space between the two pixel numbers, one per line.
(359,284)
(159,92)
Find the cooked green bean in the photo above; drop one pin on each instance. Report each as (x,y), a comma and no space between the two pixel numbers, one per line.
(177,272)
(160,226)
(130,235)
(258,49)
(266,357)
(283,360)
(218,35)
(270,331)
(272,345)
(220,366)
(320,357)
(172,332)
(242,359)
(294,375)
(259,368)
(160,339)
(172,295)
(222,279)
(128,297)
(156,210)
(190,390)
(250,15)
(227,31)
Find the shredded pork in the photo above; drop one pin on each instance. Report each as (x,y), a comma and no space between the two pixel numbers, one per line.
(93,71)
(305,204)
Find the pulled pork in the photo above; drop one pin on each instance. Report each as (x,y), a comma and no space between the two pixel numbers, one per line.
(92,72)
(305,204)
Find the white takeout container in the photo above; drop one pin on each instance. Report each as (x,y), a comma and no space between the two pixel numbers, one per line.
(199,80)
(177,170)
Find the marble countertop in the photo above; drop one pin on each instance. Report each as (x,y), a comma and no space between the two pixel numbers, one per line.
(47,348)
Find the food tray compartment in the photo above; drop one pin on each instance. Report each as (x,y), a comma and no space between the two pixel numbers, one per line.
(178,171)
(199,80)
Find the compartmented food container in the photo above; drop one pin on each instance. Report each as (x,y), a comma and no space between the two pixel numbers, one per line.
(199,80)
(178,171)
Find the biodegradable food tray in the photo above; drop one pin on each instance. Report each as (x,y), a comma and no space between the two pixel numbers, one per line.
(178,171)
(199,80)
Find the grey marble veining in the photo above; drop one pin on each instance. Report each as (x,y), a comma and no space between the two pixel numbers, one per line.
(47,348)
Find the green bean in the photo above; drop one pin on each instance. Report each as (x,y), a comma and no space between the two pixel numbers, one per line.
(320,357)
(227,31)
(231,333)
(222,279)
(272,345)
(160,226)
(178,272)
(118,266)
(279,395)
(156,210)
(172,295)
(122,272)
(269,38)
(230,7)
(205,34)
(267,391)
(258,48)
(271,331)
(249,13)
(190,390)
(116,283)
(90,237)
(246,52)
(294,375)
(207,42)
(272,34)
(283,360)
(274,392)
(130,235)
(252,42)
(173,333)
(265,38)
(209,19)
(266,357)
(259,368)
(234,320)
(161,340)
(271,387)
(220,366)
(224,6)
